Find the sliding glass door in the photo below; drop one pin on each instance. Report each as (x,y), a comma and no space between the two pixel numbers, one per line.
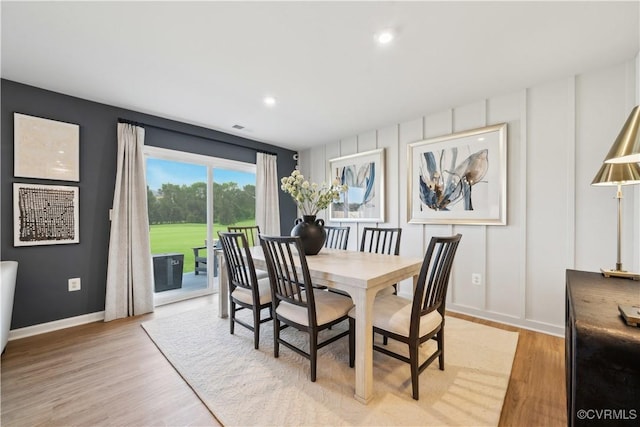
(191,198)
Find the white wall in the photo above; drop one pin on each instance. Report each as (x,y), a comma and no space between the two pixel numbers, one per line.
(558,135)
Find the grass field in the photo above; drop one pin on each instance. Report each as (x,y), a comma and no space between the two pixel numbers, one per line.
(182,238)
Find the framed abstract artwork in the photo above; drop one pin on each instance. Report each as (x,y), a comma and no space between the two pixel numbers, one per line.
(459,178)
(46,149)
(45,214)
(363,173)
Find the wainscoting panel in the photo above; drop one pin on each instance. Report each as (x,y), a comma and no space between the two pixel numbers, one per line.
(546,201)
(504,243)
(388,139)
(596,129)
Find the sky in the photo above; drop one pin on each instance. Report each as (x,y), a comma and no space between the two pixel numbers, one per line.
(167,171)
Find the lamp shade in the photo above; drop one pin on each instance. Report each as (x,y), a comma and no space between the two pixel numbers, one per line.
(617,174)
(626,148)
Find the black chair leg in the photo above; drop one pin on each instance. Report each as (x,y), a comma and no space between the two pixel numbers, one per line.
(256,328)
(441,349)
(352,342)
(276,337)
(313,353)
(413,361)
(232,316)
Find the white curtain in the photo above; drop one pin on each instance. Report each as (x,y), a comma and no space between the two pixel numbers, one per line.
(129,271)
(267,185)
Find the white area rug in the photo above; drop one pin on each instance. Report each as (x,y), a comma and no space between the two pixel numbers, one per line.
(242,386)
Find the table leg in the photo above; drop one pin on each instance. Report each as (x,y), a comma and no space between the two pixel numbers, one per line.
(363,300)
(223,287)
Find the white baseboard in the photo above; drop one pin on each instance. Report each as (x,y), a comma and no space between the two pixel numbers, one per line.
(531,325)
(42,328)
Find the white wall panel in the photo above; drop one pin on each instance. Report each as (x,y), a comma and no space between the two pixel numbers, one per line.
(388,139)
(469,116)
(471,255)
(348,146)
(367,141)
(505,248)
(438,124)
(412,235)
(412,243)
(546,202)
(599,116)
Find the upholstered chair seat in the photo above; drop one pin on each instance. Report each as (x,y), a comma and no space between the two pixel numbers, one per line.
(329,307)
(393,313)
(246,296)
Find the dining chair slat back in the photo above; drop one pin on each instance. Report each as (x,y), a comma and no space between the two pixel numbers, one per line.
(381,240)
(250,232)
(337,237)
(287,283)
(246,291)
(296,303)
(433,281)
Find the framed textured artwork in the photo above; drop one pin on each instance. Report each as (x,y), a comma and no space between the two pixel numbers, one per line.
(459,178)
(363,173)
(46,149)
(45,214)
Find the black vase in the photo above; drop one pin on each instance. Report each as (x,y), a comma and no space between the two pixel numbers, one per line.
(312,233)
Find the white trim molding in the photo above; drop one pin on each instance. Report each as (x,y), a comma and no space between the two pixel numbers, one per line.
(42,328)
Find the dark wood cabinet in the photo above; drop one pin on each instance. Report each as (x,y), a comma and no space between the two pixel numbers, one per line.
(602,351)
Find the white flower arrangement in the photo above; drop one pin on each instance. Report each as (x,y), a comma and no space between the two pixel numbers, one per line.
(311,197)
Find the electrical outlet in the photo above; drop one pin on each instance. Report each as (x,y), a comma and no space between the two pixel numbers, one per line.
(74,284)
(476,278)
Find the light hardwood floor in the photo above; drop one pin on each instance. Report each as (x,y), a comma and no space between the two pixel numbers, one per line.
(112,374)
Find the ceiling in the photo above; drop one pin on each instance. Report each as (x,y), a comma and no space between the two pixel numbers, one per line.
(212,63)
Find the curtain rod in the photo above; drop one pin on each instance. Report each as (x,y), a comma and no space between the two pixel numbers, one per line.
(134,123)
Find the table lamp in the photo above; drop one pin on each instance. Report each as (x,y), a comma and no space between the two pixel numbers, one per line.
(618,174)
(626,147)
(625,150)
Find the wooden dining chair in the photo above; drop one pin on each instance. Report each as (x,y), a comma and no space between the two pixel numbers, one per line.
(250,232)
(337,237)
(296,303)
(415,321)
(246,291)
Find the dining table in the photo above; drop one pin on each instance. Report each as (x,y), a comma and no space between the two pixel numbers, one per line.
(361,275)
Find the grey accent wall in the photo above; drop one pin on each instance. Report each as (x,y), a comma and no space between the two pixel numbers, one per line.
(41,291)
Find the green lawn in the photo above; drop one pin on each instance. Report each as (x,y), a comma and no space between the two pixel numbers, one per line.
(181,238)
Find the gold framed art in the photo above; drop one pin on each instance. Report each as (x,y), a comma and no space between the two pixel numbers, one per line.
(459,178)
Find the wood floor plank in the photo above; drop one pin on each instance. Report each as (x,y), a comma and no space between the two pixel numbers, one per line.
(111,374)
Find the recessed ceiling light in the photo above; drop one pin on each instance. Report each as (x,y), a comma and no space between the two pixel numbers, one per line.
(269,101)
(385,37)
